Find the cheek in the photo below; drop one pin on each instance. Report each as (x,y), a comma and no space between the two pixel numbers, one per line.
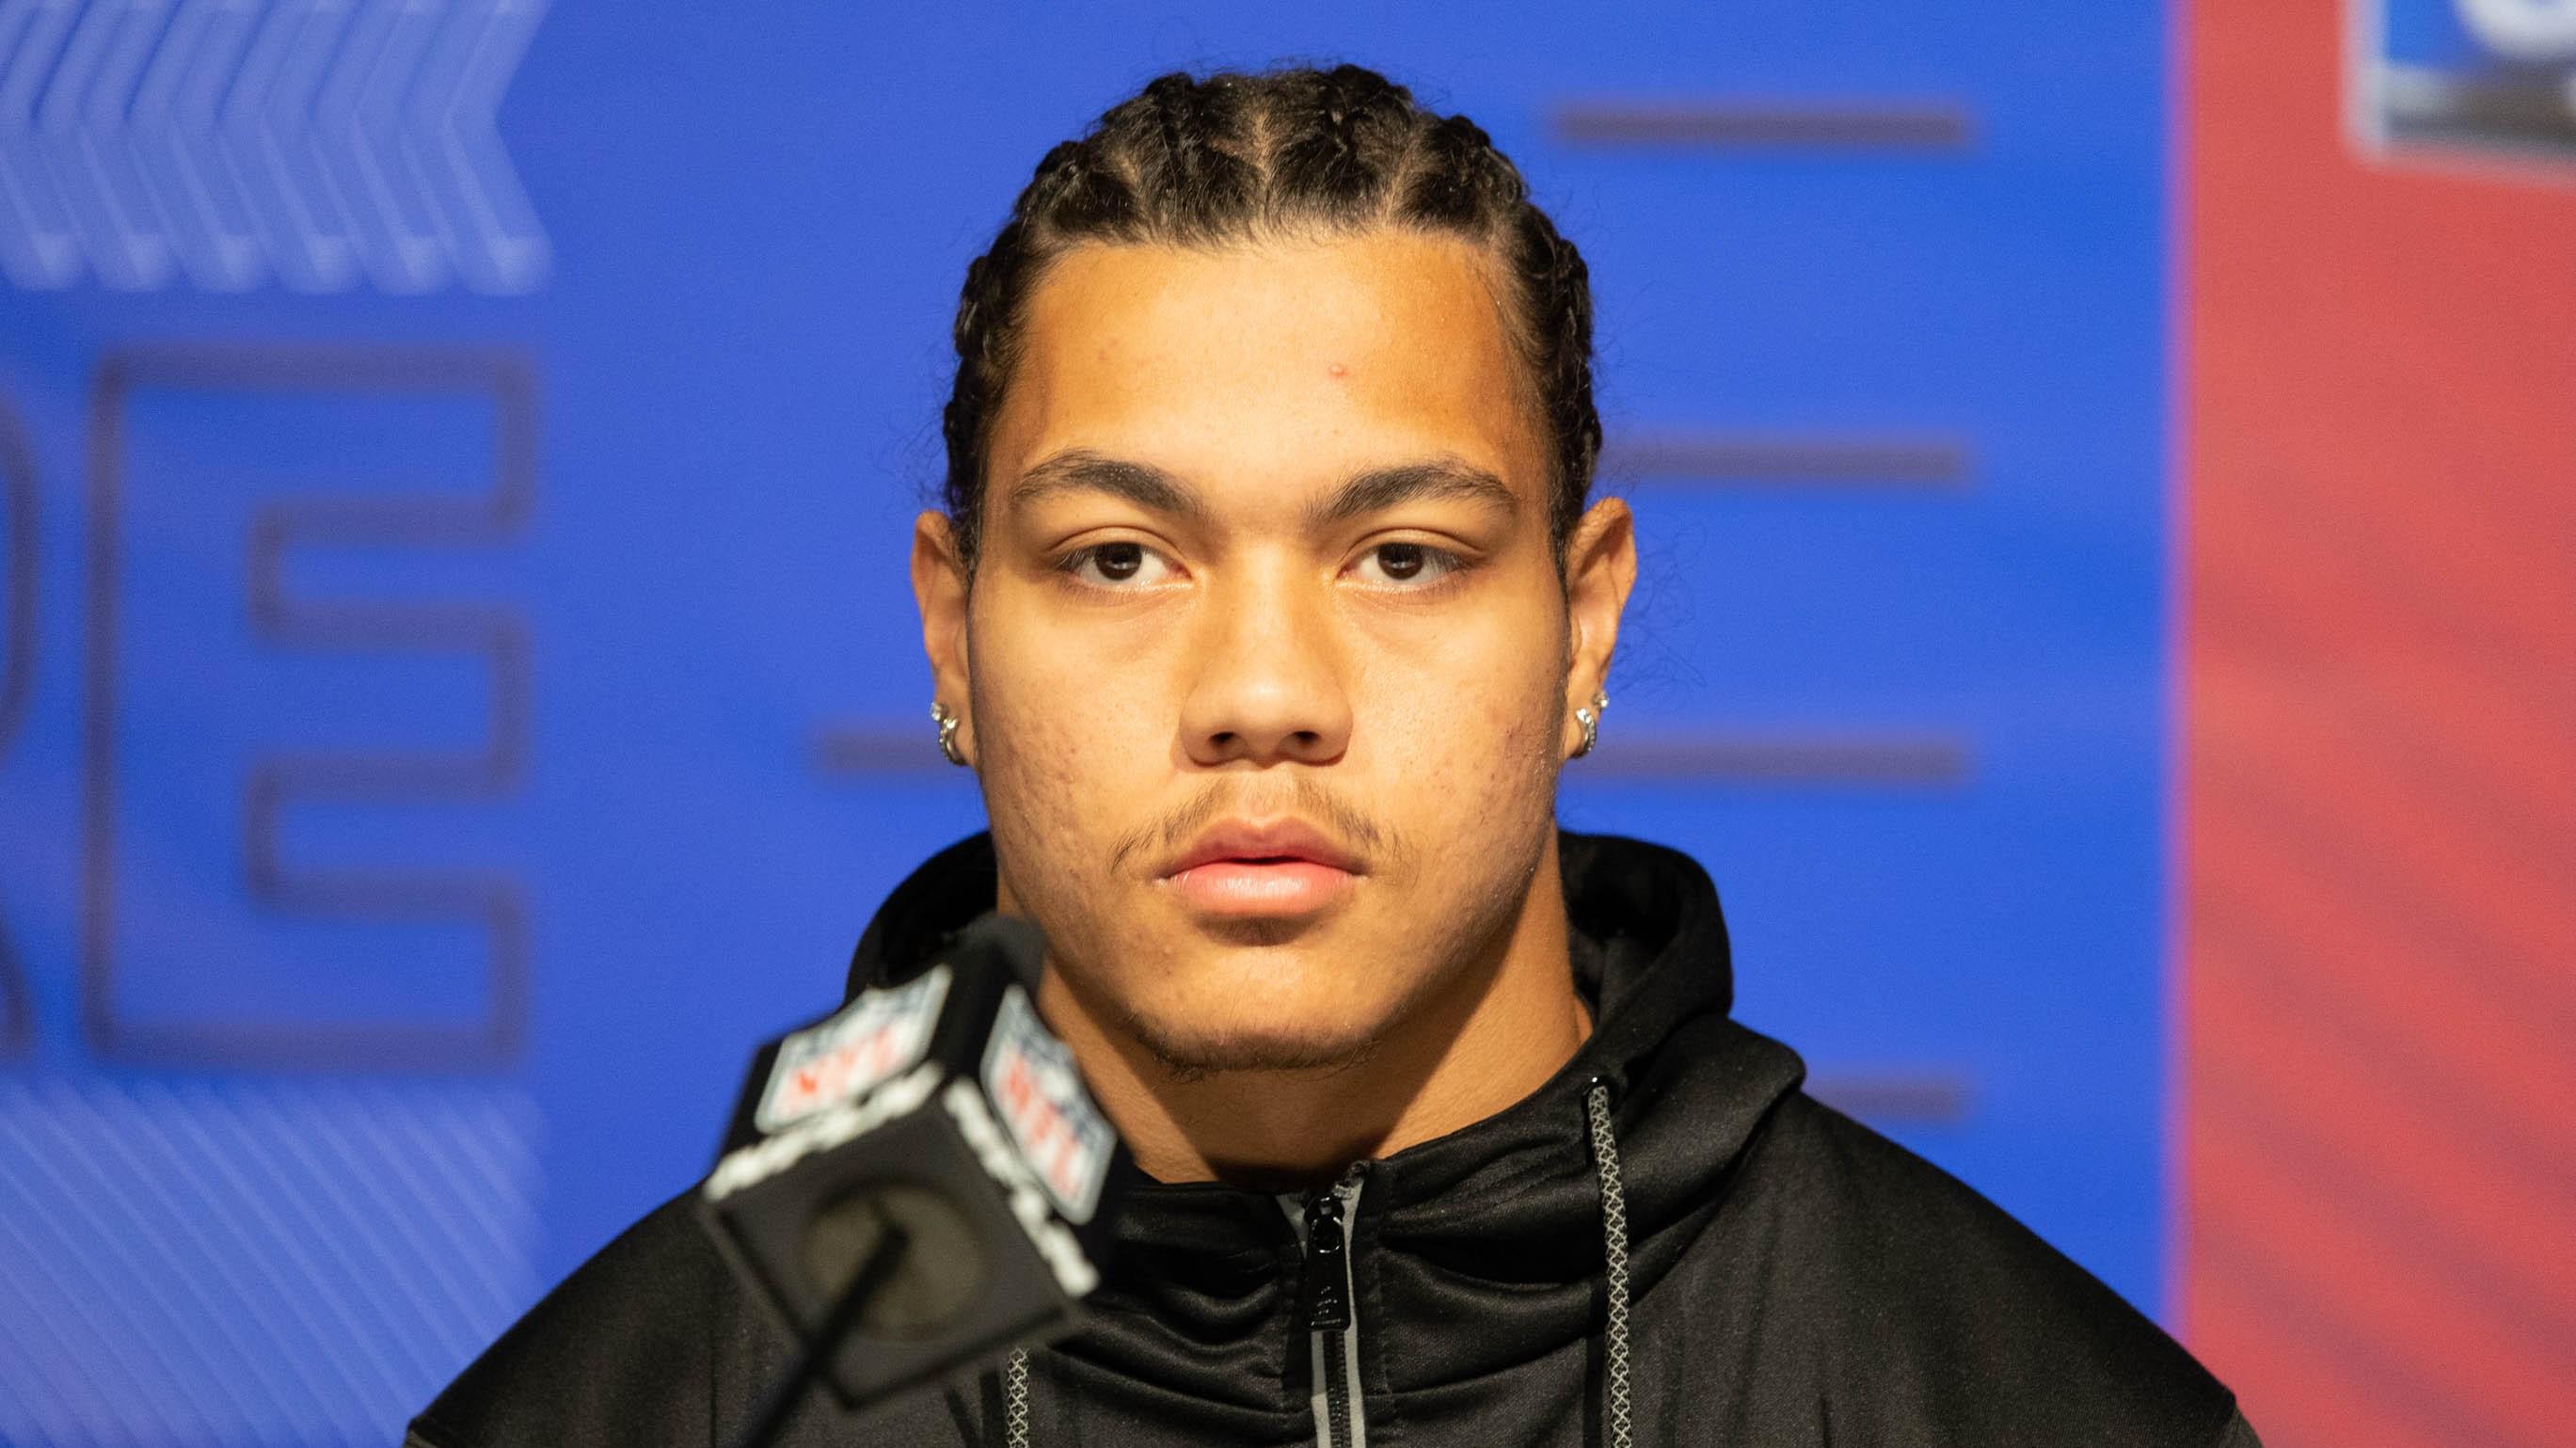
(1474,750)
(1516,775)
(1068,749)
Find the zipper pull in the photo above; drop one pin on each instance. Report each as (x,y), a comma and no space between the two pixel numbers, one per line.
(1323,1297)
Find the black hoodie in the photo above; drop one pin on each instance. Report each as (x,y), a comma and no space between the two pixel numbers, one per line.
(1668,1243)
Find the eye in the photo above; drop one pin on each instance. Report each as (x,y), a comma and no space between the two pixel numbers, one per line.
(1115,565)
(1407,564)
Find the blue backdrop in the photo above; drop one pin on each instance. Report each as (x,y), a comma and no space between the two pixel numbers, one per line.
(463,690)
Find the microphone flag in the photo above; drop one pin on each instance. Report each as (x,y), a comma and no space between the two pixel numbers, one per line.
(920,1180)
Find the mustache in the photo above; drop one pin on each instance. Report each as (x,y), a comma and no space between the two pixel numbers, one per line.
(1304,796)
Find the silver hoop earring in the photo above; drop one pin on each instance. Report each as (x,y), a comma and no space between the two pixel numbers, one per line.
(1590,721)
(947,722)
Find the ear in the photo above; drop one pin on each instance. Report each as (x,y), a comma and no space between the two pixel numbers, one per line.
(1600,568)
(939,587)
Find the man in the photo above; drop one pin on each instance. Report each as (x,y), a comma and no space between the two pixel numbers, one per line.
(1267,604)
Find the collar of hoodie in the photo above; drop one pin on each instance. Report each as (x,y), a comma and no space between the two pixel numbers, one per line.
(1476,1252)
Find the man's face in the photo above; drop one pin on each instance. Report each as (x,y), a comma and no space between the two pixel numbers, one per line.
(1266,658)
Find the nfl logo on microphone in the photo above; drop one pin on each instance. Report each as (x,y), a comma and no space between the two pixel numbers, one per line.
(2493,77)
(1031,1076)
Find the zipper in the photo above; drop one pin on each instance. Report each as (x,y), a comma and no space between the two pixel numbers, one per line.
(1324,1307)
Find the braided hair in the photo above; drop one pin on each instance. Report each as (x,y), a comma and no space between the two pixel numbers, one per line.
(1233,157)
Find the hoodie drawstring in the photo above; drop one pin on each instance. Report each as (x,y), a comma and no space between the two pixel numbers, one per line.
(1614,1254)
(1015,1399)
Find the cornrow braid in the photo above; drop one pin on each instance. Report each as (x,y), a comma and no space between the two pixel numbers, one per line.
(1236,156)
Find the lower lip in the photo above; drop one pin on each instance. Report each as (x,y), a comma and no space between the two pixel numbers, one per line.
(1242,887)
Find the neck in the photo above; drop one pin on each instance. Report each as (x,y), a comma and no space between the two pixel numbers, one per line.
(1485,1039)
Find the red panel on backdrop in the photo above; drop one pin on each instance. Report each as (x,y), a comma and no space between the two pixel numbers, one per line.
(2378,1128)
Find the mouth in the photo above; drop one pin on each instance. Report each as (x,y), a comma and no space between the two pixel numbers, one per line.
(1238,869)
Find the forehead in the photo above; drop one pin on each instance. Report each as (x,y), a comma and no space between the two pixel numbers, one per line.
(1269,364)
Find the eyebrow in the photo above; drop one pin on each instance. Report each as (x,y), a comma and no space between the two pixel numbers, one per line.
(1080,470)
(1383,488)
(1153,489)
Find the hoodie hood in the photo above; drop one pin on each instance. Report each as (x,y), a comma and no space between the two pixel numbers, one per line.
(1487,1244)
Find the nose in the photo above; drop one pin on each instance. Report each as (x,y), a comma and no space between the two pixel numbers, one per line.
(1268,685)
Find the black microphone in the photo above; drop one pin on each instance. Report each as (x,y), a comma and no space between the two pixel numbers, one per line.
(919,1181)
